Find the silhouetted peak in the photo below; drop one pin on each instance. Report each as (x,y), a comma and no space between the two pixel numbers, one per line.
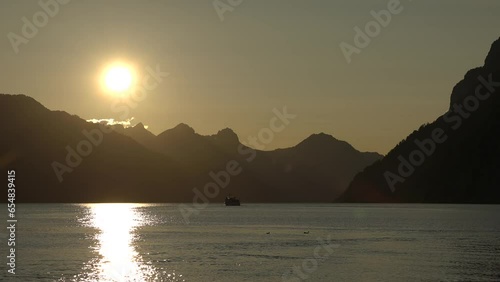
(323,141)
(22,101)
(226,132)
(319,138)
(226,135)
(181,129)
(184,128)
(140,128)
(468,85)
(492,61)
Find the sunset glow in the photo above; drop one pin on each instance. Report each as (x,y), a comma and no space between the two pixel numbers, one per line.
(118,78)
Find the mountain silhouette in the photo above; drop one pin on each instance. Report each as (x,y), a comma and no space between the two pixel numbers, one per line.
(60,157)
(455,159)
(320,166)
(117,170)
(139,133)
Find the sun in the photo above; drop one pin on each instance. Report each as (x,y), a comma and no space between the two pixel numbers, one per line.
(118,78)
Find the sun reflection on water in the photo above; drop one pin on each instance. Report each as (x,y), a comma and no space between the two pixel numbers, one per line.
(116,223)
(117,259)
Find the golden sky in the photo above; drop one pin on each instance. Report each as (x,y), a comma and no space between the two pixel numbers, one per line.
(232,71)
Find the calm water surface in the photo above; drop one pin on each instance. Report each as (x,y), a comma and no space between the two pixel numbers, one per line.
(256,242)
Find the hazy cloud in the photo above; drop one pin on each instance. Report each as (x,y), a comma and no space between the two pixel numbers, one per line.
(110,121)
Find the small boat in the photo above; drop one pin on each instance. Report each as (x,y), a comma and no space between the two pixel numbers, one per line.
(231,201)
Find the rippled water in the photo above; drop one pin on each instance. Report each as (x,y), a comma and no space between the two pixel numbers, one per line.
(256,242)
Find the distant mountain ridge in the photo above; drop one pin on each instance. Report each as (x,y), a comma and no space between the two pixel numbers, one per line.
(318,162)
(455,159)
(134,165)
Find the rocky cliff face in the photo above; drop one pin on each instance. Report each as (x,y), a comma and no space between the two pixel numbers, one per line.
(454,159)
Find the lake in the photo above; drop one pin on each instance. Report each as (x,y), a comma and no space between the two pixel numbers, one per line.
(255,242)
